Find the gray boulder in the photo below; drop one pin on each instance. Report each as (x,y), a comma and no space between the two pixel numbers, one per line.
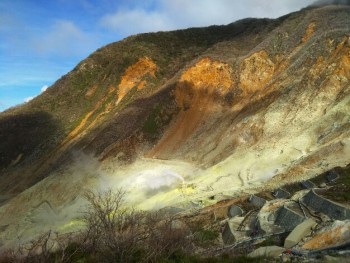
(235,210)
(270,251)
(299,232)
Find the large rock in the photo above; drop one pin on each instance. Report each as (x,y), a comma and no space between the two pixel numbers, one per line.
(288,218)
(299,232)
(267,217)
(231,234)
(280,193)
(270,251)
(335,235)
(332,175)
(307,184)
(257,201)
(325,206)
(228,236)
(235,210)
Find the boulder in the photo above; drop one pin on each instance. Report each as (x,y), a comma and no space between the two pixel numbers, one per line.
(325,206)
(280,193)
(270,251)
(234,210)
(267,217)
(257,201)
(307,184)
(299,232)
(229,233)
(288,218)
(332,236)
(332,175)
(323,185)
(228,236)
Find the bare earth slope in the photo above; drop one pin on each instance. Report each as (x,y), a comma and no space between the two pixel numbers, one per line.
(175,117)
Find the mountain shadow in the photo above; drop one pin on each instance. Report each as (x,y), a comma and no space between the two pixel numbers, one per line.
(25,137)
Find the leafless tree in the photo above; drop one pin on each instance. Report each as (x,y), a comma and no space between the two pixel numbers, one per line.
(113,231)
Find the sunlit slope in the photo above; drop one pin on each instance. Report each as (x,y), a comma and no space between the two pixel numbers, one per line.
(176,117)
(115,103)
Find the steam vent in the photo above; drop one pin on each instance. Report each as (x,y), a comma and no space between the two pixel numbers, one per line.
(195,144)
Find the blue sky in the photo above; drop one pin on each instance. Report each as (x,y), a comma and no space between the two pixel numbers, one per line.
(41,40)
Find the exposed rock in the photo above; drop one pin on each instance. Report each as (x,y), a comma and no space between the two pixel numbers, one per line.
(231,234)
(256,71)
(252,101)
(135,74)
(323,185)
(308,184)
(299,232)
(332,175)
(328,207)
(267,216)
(270,251)
(235,210)
(224,222)
(236,221)
(331,236)
(257,201)
(280,193)
(228,236)
(288,219)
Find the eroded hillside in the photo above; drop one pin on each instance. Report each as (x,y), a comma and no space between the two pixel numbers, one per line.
(175,117)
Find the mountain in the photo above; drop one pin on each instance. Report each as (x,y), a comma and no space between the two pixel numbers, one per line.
(178,117)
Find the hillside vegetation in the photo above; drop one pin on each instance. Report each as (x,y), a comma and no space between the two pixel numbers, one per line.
(177,118)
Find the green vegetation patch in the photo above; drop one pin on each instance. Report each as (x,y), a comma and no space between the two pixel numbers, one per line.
(152,123)
(157,119)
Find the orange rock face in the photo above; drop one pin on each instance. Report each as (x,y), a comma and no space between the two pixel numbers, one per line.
(204,79)
(256,71)
(333,236)
(336,67)
(195,94)
(134,74)
(309,32)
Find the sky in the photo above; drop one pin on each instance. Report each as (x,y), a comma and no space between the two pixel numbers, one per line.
(42,40)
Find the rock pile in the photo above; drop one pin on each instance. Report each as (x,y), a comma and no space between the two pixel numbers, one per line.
(308,223)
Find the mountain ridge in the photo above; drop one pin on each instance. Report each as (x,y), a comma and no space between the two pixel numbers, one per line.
(256,103)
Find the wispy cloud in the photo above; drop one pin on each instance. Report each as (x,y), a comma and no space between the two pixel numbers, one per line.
(168,15)
(26,100)
(44,88)
(135,21)
(64,38)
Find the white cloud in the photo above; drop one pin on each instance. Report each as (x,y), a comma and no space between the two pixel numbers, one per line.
(136,21)
(44,88)
(64,38)
(26,100)
(168,15)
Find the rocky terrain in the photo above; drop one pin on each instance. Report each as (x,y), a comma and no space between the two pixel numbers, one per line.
(179,118)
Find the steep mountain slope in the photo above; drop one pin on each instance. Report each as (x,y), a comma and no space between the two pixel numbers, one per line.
(175,117)
(96,93)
